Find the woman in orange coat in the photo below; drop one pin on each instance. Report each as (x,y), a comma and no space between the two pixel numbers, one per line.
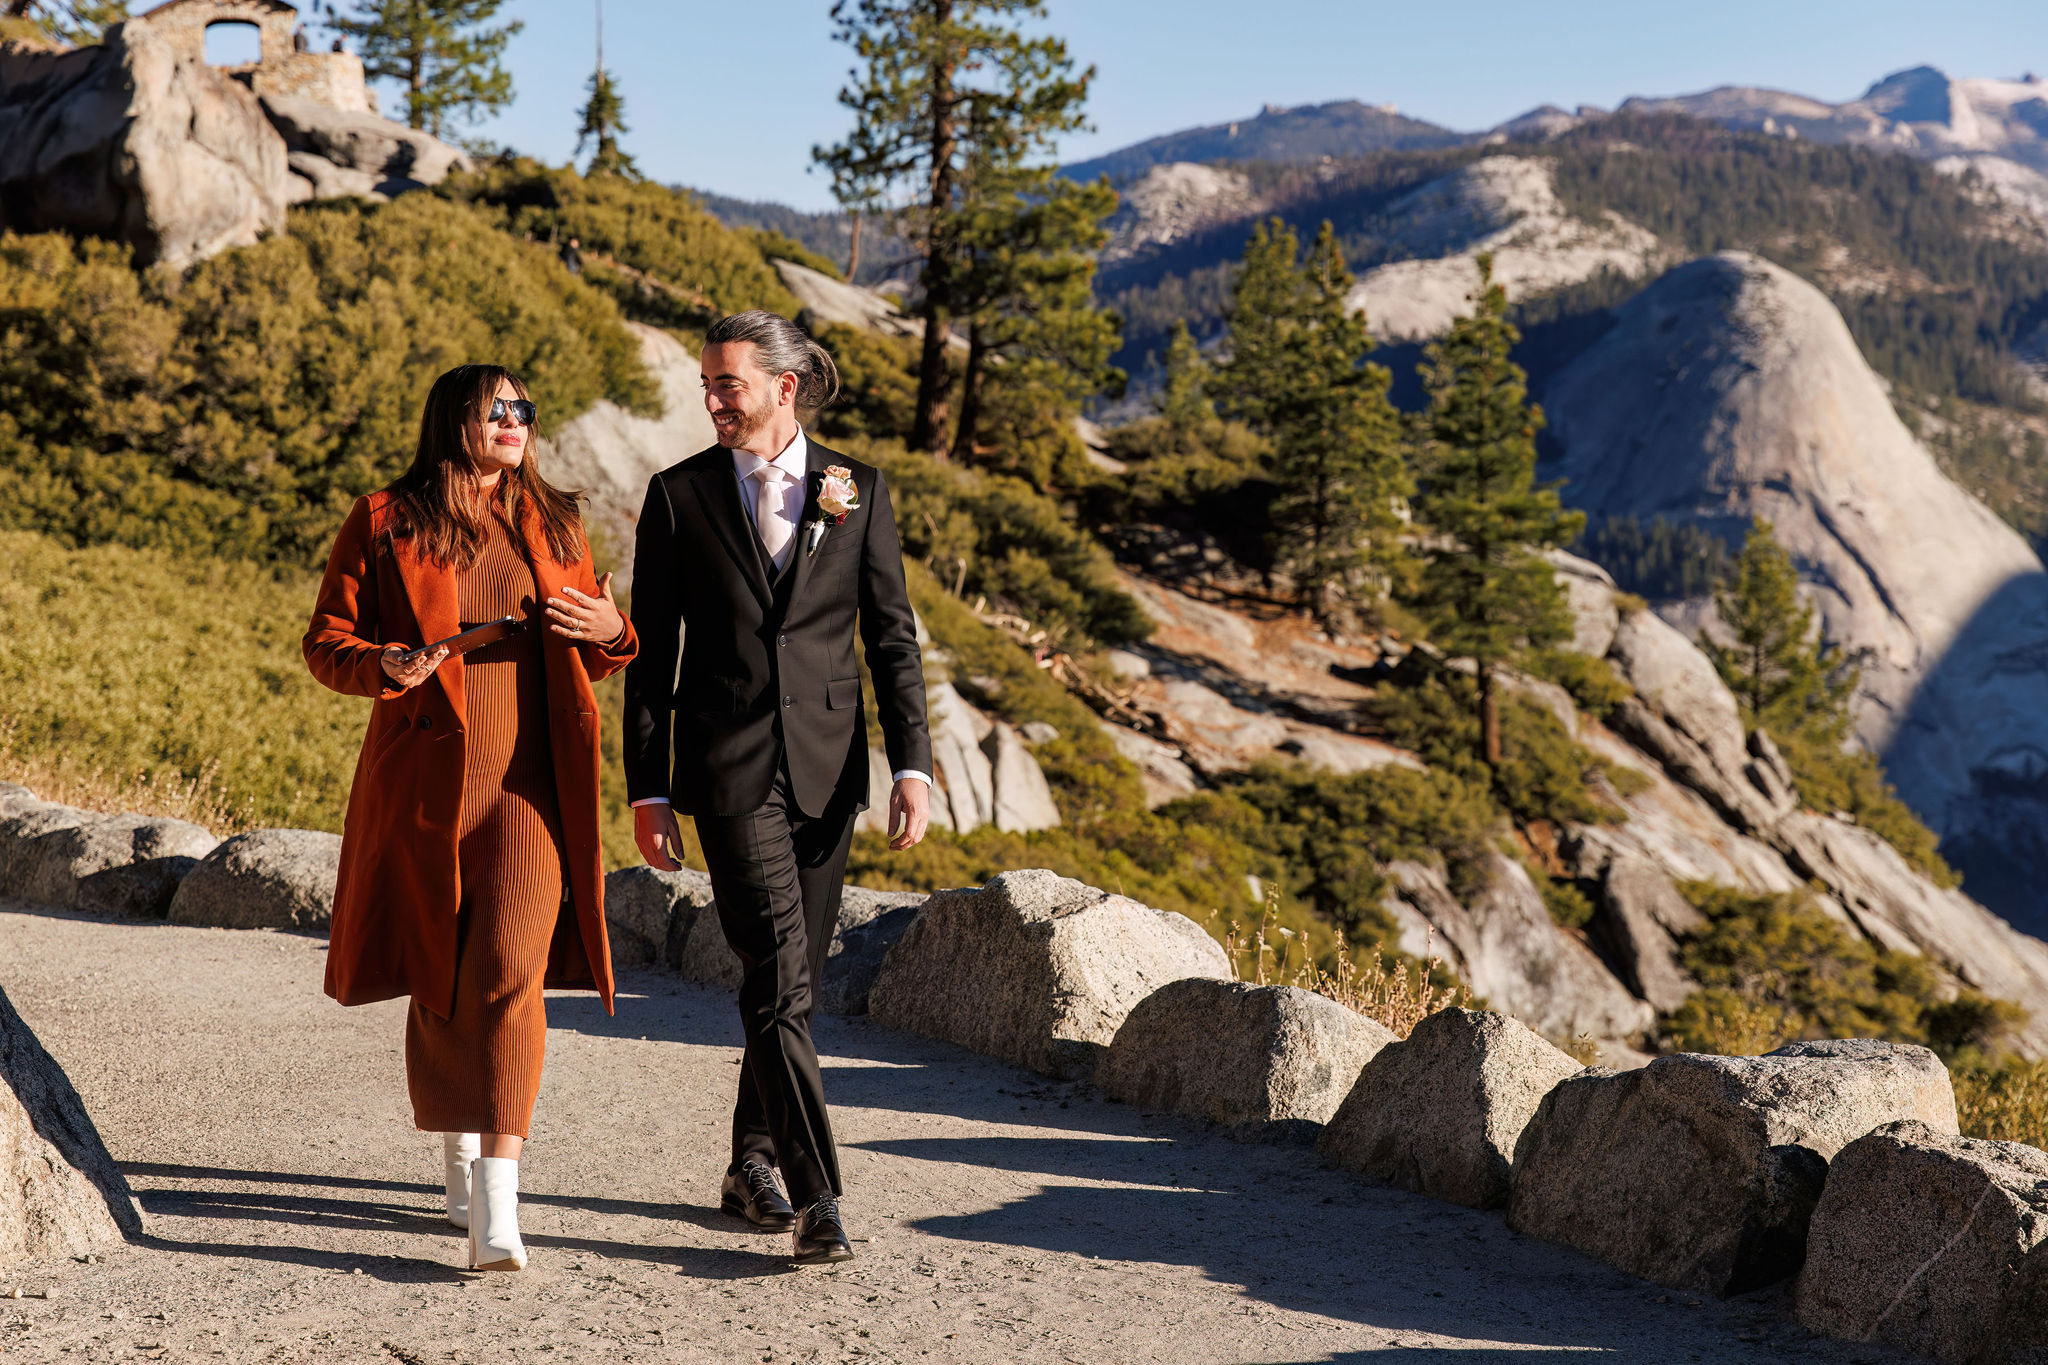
(471,874)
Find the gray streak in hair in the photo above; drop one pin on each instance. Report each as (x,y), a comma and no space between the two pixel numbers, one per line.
(782,348)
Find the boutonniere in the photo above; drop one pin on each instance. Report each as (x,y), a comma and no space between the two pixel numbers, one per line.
(836,498)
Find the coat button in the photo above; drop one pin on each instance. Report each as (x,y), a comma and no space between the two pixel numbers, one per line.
(782,641)
(789,701)
(426,722)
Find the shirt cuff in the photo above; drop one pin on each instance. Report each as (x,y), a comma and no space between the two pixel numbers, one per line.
(652,801)
(911,772)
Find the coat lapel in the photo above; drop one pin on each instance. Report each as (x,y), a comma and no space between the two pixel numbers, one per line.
(718,489)
(430,589)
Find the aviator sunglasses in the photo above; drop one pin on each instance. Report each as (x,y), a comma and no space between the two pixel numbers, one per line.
(520,408)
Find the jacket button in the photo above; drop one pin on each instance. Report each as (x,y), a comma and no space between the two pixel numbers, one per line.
(782,641)
(426,722)
(789,701)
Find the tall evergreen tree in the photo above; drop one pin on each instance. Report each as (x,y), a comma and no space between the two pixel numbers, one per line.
(1297,376)
(446,53)
(948,94)
(1037,345)
(1184,399)
(1485,590)
(603,117)
(1777,666)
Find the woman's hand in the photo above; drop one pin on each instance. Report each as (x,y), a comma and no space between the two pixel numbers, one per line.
(586,619)
(410,675)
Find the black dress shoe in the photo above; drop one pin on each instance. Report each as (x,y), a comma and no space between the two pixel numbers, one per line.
(751,1193)
(820,1237)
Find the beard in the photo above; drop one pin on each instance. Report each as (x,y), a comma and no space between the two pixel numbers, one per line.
(746,423)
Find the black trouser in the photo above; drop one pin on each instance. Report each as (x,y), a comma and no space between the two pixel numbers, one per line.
(778,874)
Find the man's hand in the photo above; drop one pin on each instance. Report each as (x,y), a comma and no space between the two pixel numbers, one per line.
(910,812)
(654,830)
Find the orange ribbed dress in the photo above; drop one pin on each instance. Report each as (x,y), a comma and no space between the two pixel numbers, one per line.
(478,1071)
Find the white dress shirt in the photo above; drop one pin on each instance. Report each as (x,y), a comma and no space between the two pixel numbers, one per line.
(795,487)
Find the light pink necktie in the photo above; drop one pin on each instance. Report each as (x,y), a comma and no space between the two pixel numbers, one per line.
(771,513)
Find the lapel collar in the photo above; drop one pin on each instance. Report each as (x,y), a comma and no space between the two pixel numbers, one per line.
(430,589)
(718,488)
(816,458)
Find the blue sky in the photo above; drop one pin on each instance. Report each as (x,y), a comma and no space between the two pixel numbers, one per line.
(732,96)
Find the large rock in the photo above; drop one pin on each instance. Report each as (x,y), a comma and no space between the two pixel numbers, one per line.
(1440,1112)
(1590,593)
(1731,389)
(394,157)
(21,828)
(121,865)
(135,142)
(610,453)
(965,798)
(1503,943)
(60,1192)
(1021,795)
(265,879)
(1036,969)
(1702,1172)
(1270,1063)
(1638,923)
(640,908)
(1932,1243)
(827,300)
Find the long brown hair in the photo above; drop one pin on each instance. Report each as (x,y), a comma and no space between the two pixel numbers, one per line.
(437,502)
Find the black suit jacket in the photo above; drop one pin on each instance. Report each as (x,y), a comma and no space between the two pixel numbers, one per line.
(767,664)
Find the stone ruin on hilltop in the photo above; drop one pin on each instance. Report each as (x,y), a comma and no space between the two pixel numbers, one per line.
(140,140)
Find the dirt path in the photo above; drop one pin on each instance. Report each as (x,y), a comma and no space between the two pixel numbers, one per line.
(294,1211)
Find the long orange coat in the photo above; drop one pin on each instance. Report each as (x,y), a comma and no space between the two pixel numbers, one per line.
(400,886)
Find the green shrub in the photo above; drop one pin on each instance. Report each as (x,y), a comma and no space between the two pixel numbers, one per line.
(1544,774)
(1595,687)
(1775,968)
(1567,904)
(2003,1102)
(1332,832)
(238,410)
(996,537)
(1831,778)
(780,246)
(877,384)
(649,227)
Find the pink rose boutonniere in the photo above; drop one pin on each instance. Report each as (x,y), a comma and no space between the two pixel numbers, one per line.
(836,498)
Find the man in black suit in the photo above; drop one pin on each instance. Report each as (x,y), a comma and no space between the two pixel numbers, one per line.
(759,558)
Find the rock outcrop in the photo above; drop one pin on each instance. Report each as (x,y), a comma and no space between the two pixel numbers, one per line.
(1932,1243)
(1036,969)
(265,879)
(1269,1063)
(1702,1172)
(60,1192)
(24,820)
(138,140)
(1729,390)
(1502,204)
(1502,942)
(1169,202)
(609,453)
(1440,1111)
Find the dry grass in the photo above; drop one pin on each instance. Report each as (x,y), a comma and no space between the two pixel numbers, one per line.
(2006,1102)
(199,799)
(1398,997)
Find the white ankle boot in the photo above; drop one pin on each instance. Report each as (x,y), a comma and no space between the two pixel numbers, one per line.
(458,1150)
(494,1215)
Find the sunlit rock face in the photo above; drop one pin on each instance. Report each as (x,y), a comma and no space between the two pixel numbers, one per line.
(1730,389)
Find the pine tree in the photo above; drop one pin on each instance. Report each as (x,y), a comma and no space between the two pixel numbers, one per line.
(1485,590)
(1184,399)
(1037,344)
(1296,376)
(446,53)
(603,117)
(948,91)
(1777,666)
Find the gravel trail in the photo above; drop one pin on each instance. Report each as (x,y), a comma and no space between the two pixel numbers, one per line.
(294,1212)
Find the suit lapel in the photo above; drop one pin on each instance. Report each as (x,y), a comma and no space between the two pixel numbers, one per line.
(817,457)
(718,490)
